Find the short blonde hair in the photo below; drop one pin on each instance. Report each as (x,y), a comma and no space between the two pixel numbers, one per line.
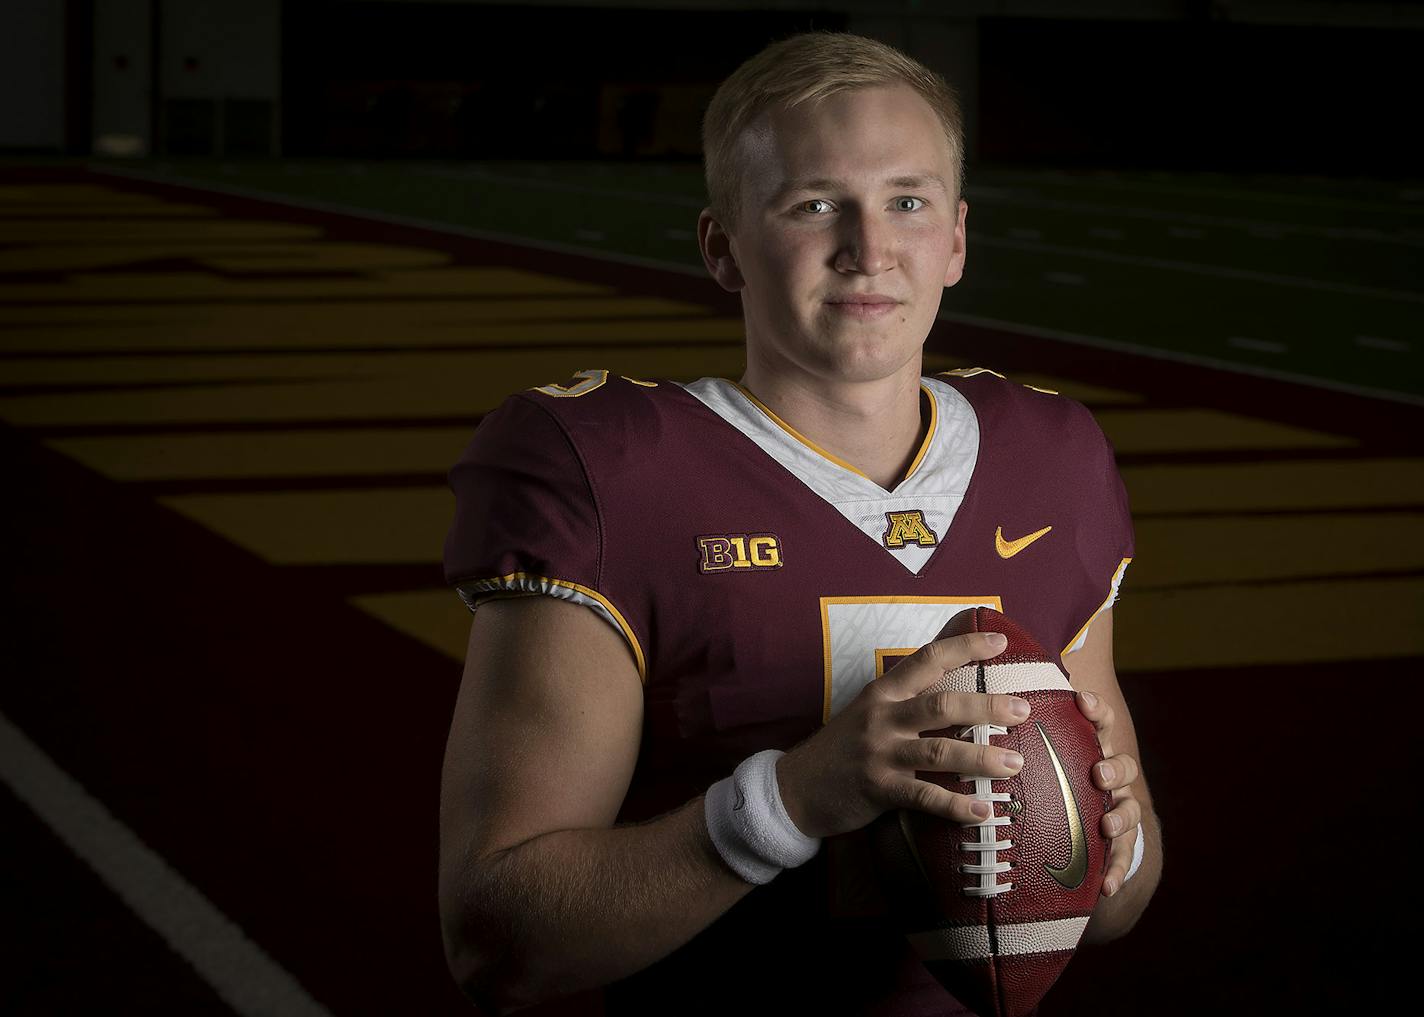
(808,68)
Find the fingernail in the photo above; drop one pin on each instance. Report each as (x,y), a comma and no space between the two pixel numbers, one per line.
(997,640)
(1109,887)
(1088,698)
(980,809)
(1106,771)
(1013,760)
(1019,708)
(1115,825)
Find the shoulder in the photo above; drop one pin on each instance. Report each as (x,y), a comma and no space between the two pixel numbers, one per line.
(587,417)
(602,396)
(1019,413)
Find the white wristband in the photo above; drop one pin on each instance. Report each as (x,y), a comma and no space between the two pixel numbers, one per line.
(1136,856)
(749,824)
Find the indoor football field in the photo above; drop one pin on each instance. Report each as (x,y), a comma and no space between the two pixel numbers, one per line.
(229,393)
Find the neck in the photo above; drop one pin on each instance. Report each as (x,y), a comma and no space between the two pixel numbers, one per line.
(876,426)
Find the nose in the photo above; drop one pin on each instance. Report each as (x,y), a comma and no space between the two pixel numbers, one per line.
(867,244)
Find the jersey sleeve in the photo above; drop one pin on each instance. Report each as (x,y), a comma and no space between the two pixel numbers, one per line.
(1106,541)
(526,519)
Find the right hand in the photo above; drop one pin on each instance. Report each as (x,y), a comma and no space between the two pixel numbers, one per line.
(863,762)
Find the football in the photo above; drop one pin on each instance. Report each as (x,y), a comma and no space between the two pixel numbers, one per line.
(995,910)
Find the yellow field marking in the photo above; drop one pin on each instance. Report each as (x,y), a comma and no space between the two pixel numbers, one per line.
(1201,430)
(437,618)
(128,209)
(135,232)
(395,525)
(306,326)
(73,194)
(1245,548)
(1267,485)
(360,316)
(294,454)
(420,385)
(1240,626)
(454,281)
(253,256)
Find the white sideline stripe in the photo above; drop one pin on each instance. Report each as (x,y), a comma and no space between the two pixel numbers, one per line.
(1155,353)
(1002,678)
(1377,342)
(1081,254)
(237,969)
(700,272)
(971,942)
(1244,342)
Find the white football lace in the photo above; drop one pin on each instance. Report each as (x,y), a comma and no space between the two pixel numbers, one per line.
(987,846)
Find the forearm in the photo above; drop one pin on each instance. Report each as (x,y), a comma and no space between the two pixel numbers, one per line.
(573,909)
(1115,916)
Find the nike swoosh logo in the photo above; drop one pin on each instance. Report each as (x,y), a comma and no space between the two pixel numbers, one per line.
(1009,548)
(1071,876)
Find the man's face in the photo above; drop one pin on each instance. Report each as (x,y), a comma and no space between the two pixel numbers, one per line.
(850,199)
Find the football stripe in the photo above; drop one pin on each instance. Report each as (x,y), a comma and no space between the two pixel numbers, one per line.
(971,942)
(1028,677)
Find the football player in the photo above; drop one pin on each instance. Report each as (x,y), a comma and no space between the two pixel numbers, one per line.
(703,612)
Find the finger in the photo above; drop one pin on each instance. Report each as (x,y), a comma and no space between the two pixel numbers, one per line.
(1098,710)
(922,796)
(1122,820)
(967,759)
(1116,772)
(1121,858)
(938,710)
(935,660)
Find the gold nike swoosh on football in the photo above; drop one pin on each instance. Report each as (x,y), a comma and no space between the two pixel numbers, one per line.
(1009,548)
(1071,876)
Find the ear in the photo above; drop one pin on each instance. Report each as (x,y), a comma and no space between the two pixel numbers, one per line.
(717,253)
(957,254)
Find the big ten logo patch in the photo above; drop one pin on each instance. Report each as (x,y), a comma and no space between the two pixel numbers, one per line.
(731,552)
(904,528)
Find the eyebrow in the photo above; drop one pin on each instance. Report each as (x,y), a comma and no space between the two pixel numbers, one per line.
(825,183)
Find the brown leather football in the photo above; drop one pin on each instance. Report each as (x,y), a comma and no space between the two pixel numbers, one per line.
(995,910)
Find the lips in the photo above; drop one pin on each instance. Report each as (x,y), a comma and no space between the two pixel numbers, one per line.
(867,308)
(869,298)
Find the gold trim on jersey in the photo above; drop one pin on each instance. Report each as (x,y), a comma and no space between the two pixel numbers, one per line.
(969,372)
(1107,602)
(929,435)
(826,603)
(494,587)
(590,381)
(890,651)
(831,456)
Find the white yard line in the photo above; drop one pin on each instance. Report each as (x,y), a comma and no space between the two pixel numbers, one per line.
(236,968)
(1156,353)
(1379,342)
(1192,268)
(1242,342)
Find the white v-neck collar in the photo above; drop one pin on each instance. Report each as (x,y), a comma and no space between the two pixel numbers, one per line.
(934,486)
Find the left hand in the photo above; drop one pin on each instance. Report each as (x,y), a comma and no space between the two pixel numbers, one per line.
(1116,774)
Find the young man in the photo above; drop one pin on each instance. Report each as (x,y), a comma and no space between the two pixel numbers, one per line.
(671,692)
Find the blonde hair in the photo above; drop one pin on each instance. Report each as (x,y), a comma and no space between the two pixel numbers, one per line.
(808,68)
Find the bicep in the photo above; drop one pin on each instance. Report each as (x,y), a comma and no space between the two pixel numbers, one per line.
(1091,669)
(545,732)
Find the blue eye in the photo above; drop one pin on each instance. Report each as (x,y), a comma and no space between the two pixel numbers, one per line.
(908,198)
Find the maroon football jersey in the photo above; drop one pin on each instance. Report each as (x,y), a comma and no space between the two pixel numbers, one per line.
(760,583)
